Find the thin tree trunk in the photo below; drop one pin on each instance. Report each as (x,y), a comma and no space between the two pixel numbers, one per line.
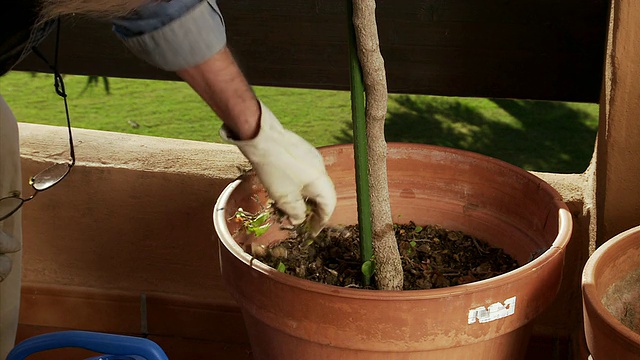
(389,274)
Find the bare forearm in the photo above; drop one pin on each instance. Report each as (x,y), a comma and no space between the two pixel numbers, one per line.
(224,88)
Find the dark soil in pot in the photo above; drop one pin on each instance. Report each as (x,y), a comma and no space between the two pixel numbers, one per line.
(622,300)
(432,257)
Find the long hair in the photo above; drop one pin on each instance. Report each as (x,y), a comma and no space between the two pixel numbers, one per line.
(50,9)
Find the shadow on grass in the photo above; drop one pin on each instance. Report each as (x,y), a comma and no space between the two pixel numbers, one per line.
(534,135)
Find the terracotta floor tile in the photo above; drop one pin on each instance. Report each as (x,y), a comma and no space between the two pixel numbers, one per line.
(178,316)
(188,349)
(549,348)
(80,308)
(184,327)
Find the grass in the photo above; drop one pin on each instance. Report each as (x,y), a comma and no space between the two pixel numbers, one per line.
(535,135)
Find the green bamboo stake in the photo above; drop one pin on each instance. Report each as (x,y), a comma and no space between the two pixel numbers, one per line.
(360,152)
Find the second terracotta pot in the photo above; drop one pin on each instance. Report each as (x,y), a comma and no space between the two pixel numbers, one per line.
(292,318)
(611,295)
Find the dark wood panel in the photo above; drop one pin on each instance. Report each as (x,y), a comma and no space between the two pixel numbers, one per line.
(533,49)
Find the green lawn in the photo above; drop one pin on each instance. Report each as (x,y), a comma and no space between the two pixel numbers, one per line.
(543,136)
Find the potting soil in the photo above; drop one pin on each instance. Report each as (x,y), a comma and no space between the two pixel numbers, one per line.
(432,257)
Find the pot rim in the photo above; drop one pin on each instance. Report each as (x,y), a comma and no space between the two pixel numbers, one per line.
(589,289)
(565,225)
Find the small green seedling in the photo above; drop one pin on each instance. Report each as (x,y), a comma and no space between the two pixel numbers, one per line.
(413,245)
(256,224)
(282,267)
(368,268)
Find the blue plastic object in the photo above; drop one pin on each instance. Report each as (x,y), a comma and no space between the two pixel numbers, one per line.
(118,347)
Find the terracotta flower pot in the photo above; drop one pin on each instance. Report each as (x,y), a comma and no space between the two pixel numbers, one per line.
(611,298)
(292,318)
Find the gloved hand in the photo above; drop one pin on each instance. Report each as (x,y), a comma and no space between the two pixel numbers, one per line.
(290,169)
(7,245)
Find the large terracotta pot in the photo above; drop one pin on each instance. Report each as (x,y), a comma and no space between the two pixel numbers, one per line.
(291,318)
(611,295)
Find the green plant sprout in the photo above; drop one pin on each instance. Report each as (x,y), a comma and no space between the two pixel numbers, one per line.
(368,268)
(254,223)
(258,223)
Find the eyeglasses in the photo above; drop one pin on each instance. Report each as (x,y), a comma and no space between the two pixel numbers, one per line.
(52,175)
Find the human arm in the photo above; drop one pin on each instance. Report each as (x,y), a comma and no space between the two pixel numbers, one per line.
(290,168)
(221,84)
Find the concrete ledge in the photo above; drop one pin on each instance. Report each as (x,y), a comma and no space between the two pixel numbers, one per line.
(133,215)
(133,219)
(136,152)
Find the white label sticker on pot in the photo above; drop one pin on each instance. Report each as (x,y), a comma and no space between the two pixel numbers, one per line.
(494,312)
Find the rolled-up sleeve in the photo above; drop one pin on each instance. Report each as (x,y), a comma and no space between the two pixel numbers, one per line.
(175,34)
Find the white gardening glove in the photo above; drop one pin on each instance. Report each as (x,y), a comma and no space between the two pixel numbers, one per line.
(290,169)
(7,245)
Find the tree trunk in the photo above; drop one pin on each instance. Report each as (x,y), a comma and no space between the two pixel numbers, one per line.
(388,266)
